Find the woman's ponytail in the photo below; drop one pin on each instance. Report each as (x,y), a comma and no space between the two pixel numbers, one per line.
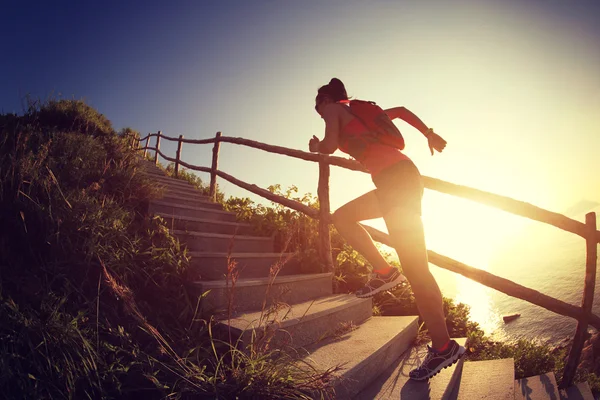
(335,90)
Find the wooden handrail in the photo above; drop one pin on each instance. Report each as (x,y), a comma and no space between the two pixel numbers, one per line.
(295,205)
(178,155)
(510,205)
(158,135)
(495,282)
(586,305)
(324,216)
(486,278)
(582,314)
(504,203)
(213,168)
(148,136)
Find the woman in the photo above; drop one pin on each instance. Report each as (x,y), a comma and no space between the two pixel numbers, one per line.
(397,198)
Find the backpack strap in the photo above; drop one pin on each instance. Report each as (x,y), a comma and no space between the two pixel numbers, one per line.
(354,115)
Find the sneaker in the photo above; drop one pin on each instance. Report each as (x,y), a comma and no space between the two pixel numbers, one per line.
(436,361)
(379,283)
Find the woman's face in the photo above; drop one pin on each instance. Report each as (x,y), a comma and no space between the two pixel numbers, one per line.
(320,102)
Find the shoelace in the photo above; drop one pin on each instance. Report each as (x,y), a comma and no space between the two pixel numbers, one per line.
(430,354)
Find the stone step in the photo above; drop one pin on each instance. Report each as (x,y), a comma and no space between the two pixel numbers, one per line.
(191,224)
(395,383)
(186,194)
(301,324)
(153,172)
(490,380)
(186,201)
(540,387)
(222,243)
(182,191)
(149,165)
(151,168)
(159,206)
(363,353)
(173,182)
(252,294)
(214,266)
(579,391)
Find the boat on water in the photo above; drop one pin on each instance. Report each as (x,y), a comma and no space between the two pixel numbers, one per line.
(510,317)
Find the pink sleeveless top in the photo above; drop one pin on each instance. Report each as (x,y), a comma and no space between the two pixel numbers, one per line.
(376,156)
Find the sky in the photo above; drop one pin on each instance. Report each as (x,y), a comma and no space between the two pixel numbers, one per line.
(513,86)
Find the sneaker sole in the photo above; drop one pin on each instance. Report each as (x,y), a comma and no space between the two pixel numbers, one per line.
(444,365)
(384,287)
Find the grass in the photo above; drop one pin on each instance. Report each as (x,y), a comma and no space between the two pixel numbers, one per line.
(89,282)
(94,295)
(531,357)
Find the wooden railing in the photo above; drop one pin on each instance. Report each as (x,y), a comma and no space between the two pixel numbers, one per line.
(587,230)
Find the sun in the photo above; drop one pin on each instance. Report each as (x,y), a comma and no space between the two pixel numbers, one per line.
(464,230)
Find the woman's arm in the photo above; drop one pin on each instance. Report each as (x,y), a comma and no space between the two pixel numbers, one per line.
(435,141)
(406,115)
(332,130)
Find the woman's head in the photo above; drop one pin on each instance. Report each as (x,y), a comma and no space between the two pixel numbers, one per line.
(333,92)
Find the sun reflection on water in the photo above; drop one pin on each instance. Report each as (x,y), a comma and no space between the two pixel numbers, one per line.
(469,233)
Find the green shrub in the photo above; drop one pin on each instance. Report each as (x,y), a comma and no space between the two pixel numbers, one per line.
(68,116)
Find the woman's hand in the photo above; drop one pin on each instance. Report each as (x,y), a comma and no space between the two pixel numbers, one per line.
(436,142)
(313,144)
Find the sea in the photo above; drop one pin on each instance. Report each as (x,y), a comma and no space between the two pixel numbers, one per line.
(540,257)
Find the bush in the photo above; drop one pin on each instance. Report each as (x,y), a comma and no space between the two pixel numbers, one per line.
(68,116)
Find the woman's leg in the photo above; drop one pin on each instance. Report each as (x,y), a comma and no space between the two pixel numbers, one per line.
(408,238)
(346,220)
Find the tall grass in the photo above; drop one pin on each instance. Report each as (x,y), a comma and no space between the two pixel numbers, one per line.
(94,296)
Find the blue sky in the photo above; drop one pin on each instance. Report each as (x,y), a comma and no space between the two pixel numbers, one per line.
(514,86)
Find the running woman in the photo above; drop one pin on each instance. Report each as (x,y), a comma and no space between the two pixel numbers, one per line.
(397,198)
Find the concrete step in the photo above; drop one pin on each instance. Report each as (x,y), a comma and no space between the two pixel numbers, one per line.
(149,165)
(159,206)
(203,202)
(363,353)
(186,194)
(181,191)
(490,380)
(151,168)
(301,324)
(395,383)
(579,391)
(214,266)
(540,387)
(152,172)
(222,243)
(173,182)
(191,224)
(252,294)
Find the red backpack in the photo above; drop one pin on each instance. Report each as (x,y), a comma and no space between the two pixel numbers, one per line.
(377,121)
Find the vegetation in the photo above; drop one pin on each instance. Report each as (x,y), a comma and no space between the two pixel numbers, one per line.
(89,282)
(531,357)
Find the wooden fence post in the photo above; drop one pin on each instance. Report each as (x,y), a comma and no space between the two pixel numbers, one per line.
(157,147)
(213,169)
(586,302)
(146,146)
(324,211)
(178,155)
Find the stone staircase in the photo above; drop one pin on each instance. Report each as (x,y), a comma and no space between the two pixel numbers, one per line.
(376,353)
